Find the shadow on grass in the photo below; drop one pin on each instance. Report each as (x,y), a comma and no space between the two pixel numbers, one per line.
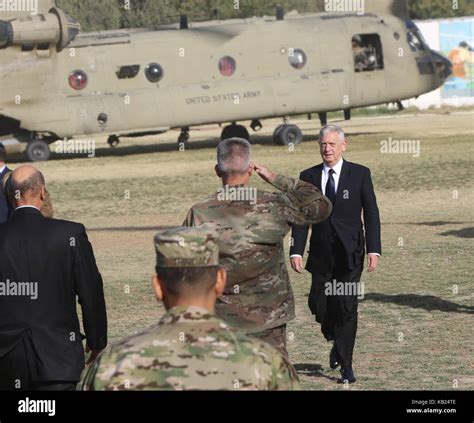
(130,229)
(426,302)
(460,233)
(312,370)
(212,142)
(438,223)
(161,147)
(435,223)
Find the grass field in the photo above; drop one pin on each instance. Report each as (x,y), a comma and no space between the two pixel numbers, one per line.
(416,320)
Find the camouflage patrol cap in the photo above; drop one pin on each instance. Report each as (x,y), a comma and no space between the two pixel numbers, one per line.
(187,247)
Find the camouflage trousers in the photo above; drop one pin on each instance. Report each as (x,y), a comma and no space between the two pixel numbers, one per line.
(276,337)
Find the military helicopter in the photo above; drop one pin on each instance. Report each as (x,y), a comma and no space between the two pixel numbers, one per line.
(57,83)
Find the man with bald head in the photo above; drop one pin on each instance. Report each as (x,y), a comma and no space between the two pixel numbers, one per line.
(45,264)
(337,246)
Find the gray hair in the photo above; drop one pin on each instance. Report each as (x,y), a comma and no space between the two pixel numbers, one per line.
(329,129)
(233,156)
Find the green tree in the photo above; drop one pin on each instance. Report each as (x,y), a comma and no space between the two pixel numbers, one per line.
(110,14)
(93,15)
(434,9)
(147,13)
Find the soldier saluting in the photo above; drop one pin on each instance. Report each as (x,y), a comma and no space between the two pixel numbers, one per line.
(258,297)
(190,348)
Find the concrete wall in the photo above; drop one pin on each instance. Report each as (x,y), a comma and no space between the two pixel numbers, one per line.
(445,35)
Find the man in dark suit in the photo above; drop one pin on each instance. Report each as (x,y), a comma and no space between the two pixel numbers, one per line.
(45,263)
(336,252)
(5,209)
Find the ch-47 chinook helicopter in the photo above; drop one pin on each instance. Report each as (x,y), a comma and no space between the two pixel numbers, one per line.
(56,83)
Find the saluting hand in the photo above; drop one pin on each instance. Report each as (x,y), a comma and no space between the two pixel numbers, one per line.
(266,174)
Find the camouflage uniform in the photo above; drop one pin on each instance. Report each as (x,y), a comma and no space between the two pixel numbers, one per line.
(258,297)
(360,58)
(190,348)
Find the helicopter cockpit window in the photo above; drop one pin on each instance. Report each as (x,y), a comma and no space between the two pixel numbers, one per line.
(415,41)
(367,52)
(414,37)
(297,58)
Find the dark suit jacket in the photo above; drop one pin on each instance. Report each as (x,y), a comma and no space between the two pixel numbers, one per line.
(355,195)
(58,256)
(5,209)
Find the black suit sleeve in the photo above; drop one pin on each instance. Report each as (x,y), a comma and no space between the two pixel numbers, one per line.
(89,289)
(371,216)
(299,233)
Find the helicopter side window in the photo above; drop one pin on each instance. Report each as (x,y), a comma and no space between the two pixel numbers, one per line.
(367,52)
(297,58)
(154,72)
(128,72)
(227,66)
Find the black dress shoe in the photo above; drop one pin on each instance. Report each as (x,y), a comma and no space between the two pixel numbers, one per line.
(347,375)
(334,360)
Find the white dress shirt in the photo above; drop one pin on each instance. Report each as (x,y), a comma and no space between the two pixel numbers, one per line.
(24,207)
(2,169)
(325,175)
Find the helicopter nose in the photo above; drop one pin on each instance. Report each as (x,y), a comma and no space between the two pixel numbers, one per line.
(443,65)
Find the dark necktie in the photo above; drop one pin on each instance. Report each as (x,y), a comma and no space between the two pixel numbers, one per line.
(331,187)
